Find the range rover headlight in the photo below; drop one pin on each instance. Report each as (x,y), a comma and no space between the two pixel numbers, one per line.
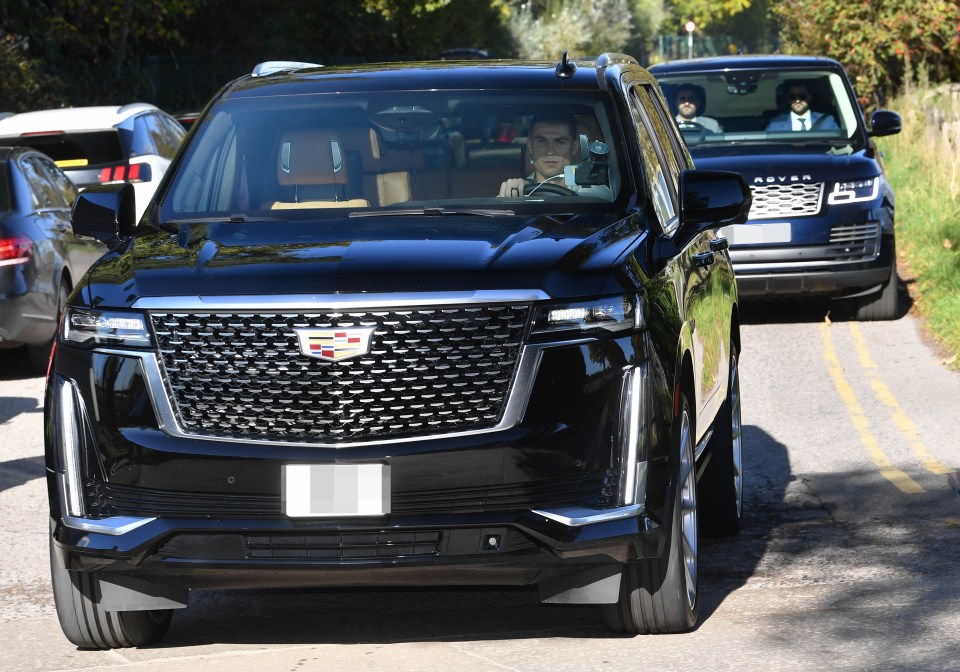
(87,327)
(611,314)
(854,191)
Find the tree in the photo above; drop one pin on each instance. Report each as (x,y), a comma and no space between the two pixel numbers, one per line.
(705,13)
(547,28)
(882,43)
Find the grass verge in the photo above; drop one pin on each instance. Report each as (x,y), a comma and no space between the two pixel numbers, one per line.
(923,164)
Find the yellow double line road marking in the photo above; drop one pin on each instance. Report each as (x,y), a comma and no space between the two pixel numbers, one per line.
(896,476)
(900,418)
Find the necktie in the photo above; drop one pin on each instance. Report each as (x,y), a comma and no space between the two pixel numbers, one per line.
(803,123)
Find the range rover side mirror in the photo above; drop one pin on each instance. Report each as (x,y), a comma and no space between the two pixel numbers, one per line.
(884,122)
(713,198)
(106,213)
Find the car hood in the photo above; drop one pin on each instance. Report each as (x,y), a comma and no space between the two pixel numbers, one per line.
(780,165)
(562,256)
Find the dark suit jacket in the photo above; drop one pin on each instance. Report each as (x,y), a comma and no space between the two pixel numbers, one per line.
(820,122)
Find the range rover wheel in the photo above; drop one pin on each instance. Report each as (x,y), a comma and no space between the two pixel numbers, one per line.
(659,595)
(721,486)
(881,306)
(88,625)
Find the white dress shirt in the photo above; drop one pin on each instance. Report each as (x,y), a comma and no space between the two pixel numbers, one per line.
(795,121)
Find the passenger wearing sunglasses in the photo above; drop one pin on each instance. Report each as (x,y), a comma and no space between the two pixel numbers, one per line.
(801,117)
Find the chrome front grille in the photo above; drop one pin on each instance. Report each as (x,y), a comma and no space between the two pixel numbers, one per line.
(429,371)
(772,201)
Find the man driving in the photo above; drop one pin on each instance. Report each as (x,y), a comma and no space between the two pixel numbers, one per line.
(552,144)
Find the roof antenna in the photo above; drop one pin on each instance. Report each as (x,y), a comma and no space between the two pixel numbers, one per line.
(566,67)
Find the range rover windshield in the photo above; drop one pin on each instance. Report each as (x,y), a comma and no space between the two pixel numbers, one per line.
(319,155)
(750,107)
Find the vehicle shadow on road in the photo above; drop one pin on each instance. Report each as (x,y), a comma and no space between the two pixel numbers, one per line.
(14,365)
(20,471)
(450,614)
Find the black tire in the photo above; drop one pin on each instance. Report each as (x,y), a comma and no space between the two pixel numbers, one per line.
(883,305)
(38,356)
(721,486)
(660,595)
(87,625)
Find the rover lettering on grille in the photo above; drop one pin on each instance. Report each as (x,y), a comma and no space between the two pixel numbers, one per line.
(335,344)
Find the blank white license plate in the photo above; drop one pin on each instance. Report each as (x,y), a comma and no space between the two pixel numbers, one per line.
(315,490)
(756,234)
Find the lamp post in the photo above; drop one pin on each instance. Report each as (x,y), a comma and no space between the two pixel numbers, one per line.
(691,26)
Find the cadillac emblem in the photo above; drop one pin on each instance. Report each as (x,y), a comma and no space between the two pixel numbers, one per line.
(335,344)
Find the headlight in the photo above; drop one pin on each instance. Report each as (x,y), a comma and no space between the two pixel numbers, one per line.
(86,327)
(612,314)
(857,190)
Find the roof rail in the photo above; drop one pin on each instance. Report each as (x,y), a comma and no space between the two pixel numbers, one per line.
(133,106)
(270,67)
(604,61)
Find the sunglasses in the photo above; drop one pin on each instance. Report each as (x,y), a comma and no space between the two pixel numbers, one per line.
(797,96)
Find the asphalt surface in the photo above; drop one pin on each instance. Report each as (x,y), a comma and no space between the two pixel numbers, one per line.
(849,560)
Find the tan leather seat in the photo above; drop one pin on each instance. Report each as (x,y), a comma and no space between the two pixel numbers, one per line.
(314,163)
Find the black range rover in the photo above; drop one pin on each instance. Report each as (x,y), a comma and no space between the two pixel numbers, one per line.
(341,349)
(822,220)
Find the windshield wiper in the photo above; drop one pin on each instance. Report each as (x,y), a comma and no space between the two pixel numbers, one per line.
(431,212)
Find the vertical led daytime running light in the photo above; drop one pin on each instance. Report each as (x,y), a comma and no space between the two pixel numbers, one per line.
(70,445)
(633,435)
(634,420)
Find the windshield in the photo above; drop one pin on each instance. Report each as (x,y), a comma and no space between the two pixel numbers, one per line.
(749,107)
(319,155)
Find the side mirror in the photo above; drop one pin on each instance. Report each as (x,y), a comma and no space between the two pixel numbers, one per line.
(713,198)
(884,122)
(106,213)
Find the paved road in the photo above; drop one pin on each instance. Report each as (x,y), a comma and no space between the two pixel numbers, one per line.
(850,559)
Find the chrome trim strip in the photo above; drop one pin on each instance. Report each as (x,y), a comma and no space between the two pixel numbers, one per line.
(702,446)
(798,266)
(336,301)
(514,409)
(70,446)
(576,516)
(113,526)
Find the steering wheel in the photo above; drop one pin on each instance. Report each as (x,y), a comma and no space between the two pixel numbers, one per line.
(547,188)
(690,126)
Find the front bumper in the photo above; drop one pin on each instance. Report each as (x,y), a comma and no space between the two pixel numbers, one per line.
(530,503)
(796,272)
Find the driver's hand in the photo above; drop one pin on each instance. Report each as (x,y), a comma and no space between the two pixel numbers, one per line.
(512,187)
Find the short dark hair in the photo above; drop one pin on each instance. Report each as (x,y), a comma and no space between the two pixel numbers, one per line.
(688,87)
(556,118)
(791,83)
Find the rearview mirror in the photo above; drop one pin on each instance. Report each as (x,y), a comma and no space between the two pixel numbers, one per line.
(106,213)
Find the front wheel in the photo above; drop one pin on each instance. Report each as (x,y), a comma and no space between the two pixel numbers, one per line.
(659,595)
(881,306)
(721,487)
(38,356)
(88,625)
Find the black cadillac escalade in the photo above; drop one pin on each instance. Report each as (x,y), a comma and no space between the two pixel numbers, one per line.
(409,324)
(822,220)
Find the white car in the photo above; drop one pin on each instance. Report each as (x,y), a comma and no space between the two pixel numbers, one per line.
(102,145)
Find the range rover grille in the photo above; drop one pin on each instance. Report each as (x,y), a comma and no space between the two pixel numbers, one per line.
(772,201)
(428,371)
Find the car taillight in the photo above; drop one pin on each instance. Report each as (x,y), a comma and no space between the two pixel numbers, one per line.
(135,172)
(15,250)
